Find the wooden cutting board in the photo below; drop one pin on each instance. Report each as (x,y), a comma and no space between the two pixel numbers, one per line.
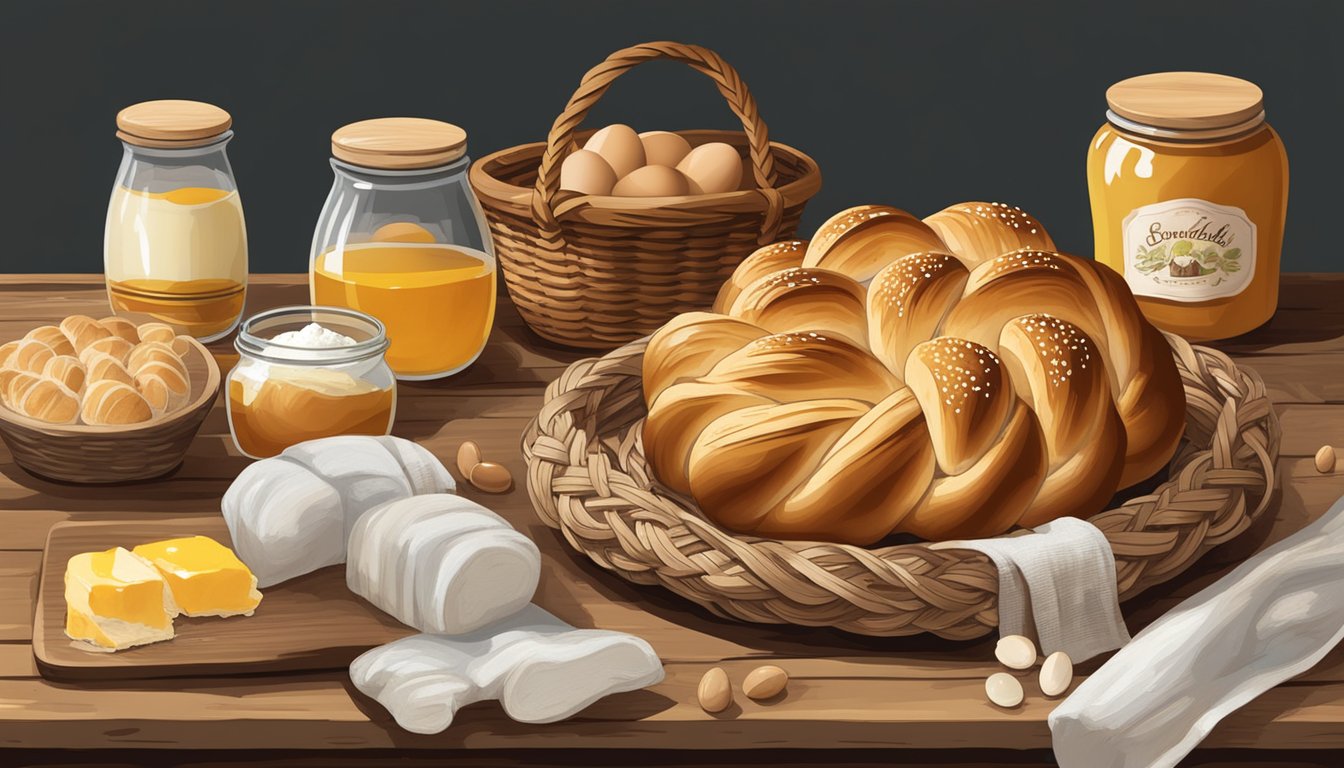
(309,623)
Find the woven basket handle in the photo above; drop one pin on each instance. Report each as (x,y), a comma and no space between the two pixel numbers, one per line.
(595,83)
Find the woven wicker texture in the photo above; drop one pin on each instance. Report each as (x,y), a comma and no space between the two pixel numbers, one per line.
(104,454)
(587,477)
(595,272)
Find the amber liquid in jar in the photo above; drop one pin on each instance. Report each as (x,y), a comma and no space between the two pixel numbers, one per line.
(282,412)
(437,301)
(1128,172)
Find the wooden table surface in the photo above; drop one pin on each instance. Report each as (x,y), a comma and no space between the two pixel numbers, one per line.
(861,696)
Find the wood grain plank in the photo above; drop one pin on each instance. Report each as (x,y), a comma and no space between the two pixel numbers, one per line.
(16,661)
(816,712)
(18,593)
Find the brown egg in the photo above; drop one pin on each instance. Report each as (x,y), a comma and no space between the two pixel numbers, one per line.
(587,173)
(663,148)
(620,146)
(653,181)
(712,168)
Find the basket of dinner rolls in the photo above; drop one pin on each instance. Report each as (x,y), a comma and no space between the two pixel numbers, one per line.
(103,401)
(602,236)
(811,449)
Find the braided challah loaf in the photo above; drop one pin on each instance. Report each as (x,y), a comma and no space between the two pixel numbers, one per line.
(949,378)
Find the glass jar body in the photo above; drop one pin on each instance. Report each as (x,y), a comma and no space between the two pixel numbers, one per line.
(280,395)
(175,241)
(1195,227)
(412,249)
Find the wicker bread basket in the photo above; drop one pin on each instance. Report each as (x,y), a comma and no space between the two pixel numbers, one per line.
(587,476)
(82,453)
(597,271)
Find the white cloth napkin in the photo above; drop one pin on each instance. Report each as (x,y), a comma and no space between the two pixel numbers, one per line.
(1057,584)
(1271,619)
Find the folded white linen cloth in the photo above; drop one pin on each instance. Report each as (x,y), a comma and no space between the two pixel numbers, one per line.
(539,668)
(1272,618)
(1057,584)
(441,563)
(292,514)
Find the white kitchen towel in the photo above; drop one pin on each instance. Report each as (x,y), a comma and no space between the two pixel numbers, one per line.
(1057,584)
(1271,619)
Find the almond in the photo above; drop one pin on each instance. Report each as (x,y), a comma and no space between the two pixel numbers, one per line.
(468,456)
(1003,689)
(490,477)
(764,682)
(1056,673)
(1015,652)
(715,693)
(1325,459)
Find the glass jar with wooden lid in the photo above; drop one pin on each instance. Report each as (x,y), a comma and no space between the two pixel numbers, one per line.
(1189,189)
(175,244)
(402,238)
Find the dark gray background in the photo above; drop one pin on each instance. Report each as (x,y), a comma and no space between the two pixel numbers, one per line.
(916,104)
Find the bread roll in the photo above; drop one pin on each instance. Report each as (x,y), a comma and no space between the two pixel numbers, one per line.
(113,403)
(121,327)
(164,386)
(7,352)
(14,383)
(976,399)
(32,355)
(67,370)
(52,337)
(977,232)
(154,352)
(160,332)
(47,399)
(101,366)
(115,346)
(82,331)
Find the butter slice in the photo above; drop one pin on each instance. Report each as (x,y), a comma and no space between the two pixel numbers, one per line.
(116,599)
(205,577)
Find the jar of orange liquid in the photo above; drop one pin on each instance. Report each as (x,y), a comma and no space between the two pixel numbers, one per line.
(1189,190)
(305,373)
(175,244)
(402,238)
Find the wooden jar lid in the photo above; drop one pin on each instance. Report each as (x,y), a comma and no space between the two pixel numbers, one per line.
(1189,101)
(399,143)
(172,123)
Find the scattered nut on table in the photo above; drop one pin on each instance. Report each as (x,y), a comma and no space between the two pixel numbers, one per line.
(490,477)
(764,682)
(1325,459)
(1003,689)
(1015,652)
(1056,673)
(715,692)
(468,456)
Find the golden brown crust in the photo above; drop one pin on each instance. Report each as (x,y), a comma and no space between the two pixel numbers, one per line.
(977,232)
(803,299)
(762,262)
(938,401)
(860,241)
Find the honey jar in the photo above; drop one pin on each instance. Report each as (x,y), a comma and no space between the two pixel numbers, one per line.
(305,373)
(402,238)
(1189,189)
(175,244)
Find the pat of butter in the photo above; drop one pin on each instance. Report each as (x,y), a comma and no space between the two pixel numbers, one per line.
(205,577)
(116,599)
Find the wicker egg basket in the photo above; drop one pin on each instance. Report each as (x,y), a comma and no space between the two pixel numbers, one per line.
(598,271)
(588,477)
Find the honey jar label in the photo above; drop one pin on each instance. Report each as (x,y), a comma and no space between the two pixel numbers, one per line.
(1188,250)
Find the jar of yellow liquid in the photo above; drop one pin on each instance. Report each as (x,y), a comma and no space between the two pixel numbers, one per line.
(402,238)
(1189,189)
(175,244)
